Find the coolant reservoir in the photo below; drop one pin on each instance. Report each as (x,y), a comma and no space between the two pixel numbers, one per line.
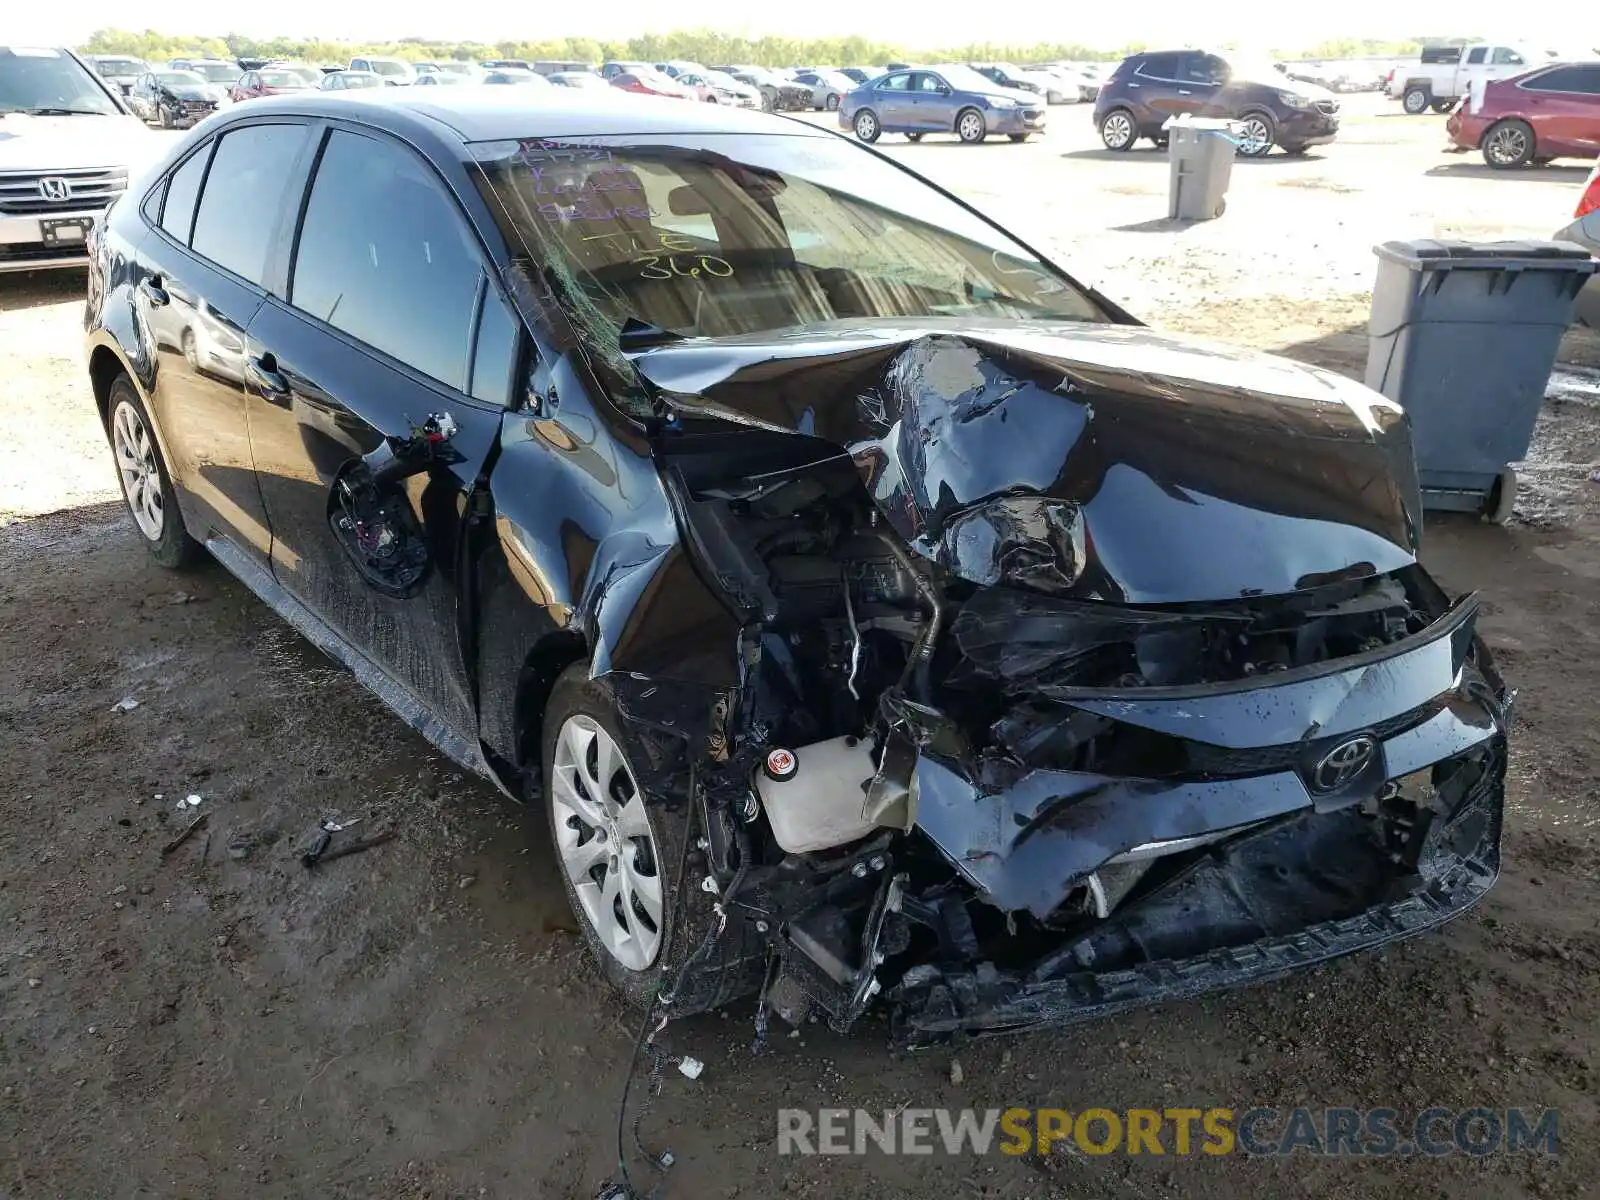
(813,795)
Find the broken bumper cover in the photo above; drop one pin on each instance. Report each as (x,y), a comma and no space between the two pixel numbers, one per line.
(1295,871)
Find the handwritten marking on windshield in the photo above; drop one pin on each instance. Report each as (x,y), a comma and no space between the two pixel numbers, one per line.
(707,264)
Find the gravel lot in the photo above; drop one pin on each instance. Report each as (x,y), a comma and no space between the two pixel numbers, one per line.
(419,1020)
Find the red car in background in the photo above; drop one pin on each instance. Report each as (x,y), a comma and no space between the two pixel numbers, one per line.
(651,83)
(1553,112)
(269,81)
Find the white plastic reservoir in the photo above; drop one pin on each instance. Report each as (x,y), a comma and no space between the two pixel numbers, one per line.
(818,806)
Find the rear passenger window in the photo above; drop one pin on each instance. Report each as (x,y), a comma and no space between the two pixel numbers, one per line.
(246,195)
(385,256)
(177,214)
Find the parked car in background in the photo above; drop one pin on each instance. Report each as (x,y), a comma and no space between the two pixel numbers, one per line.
(117,68)
(175,99)
(1150,89)
(1013,77)
(647,81)
(1073,85)
(351,81)
(679,66)
(443,79)
(311,75)
(459,70)
(506,76)
(1148,688)
(948,98)
(506,64)
(212,70)
(1585,231)
(778,93)
(394,71)
(576,79)
(1443,75)
(828,89)
(860,75)
(1550,113)
(268,81)
(618,66)
(69,151)
(550,66)
(720,88)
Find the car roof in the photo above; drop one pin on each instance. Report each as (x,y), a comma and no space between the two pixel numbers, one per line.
(494,114)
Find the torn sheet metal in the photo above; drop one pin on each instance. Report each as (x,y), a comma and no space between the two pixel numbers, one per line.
(1088,461)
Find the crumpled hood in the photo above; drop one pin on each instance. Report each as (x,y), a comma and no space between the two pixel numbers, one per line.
(1112,462)
(64,143)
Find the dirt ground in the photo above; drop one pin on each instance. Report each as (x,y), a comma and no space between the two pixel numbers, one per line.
(420,1021)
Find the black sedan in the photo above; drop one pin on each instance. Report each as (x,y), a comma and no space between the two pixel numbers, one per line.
(869,608)
(175,99)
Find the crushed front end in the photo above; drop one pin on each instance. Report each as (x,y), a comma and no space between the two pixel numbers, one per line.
(1076,670)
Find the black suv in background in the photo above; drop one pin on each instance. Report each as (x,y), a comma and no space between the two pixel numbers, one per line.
(1272,109)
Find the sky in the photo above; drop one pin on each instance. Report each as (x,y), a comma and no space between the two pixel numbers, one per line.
(908,22)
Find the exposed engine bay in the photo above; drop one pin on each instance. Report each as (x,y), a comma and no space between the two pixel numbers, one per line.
(1039,715)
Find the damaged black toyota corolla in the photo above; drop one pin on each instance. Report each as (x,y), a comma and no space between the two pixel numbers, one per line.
(880,616)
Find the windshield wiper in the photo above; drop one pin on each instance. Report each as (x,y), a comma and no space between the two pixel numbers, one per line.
(60,112)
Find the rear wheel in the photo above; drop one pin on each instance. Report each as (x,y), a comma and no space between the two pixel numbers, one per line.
(833,103)
(1416,101)
(970,126)
(1508,145)
(866,125)
(146,485)
(1117,130)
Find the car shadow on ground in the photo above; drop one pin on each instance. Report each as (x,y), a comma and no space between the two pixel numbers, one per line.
(34,289)
(1478,170)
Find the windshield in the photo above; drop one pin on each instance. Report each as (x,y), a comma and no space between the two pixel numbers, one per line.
(361,79)
(180,78)
(965,79)
(721,79)
(122,66)
(33,80)
(709,235)
(282,79)
(217,72)
(456,68)
(385,67)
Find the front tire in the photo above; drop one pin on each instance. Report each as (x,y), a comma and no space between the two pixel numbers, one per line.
(971,127)
(618,854)
(866,125)
(1118,130)
(1508,145)
(1259,132)
(146,484)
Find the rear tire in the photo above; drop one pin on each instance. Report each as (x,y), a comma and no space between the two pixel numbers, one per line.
(146,484)
(866,125)
(1118,130)
(1508,145)
(1416,101)
(833,104)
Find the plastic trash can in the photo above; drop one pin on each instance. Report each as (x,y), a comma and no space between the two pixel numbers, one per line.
(1463,336)
(1200,151)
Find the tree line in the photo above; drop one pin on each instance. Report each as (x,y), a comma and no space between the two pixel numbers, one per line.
(695,45)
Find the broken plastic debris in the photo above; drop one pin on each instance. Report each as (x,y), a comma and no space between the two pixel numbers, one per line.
(692,1067)
(126,704)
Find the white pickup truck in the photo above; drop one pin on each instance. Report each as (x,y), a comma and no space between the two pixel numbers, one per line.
(1445,74)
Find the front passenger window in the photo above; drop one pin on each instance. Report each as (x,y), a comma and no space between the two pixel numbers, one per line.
(386,257)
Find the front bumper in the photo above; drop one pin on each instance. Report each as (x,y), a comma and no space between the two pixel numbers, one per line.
(1310,127)
(1018,120)
(23,245)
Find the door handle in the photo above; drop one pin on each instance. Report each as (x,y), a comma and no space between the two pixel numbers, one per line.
(1182,92)
(265,377)
(152,290)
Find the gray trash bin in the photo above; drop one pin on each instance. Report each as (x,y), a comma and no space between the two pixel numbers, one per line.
(1200,151)
(1463,336)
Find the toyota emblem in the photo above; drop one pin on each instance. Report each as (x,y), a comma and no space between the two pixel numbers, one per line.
(55,188)
(1343,763)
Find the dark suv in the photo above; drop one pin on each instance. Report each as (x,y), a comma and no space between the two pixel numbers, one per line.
(1272,109)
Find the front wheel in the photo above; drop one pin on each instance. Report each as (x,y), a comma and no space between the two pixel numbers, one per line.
(146,485)
(1508,145)
(971,127)
(1257,132)
(1117,130)
(866,125)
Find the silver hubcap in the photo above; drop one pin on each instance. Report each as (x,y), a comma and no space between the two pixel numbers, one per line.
(971,126)
(866,125)
(1416,102)
(604,839)
(1256,137)
(1508,145)
(1118,130)
(136,463)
